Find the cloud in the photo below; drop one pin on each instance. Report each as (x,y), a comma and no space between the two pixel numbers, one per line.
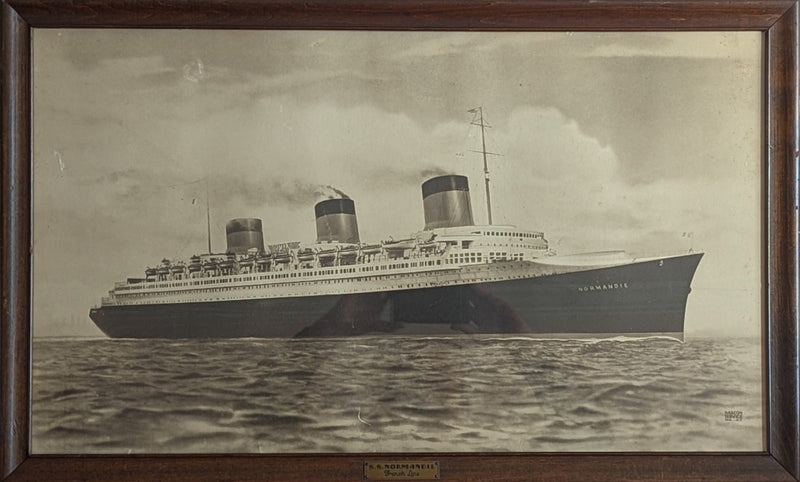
(606,140)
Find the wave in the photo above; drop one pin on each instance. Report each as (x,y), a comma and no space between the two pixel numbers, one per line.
(580,338)
(452,393)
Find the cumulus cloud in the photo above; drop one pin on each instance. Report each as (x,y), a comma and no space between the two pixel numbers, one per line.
(604,140)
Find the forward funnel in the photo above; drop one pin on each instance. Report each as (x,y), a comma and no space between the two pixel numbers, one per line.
(446,202)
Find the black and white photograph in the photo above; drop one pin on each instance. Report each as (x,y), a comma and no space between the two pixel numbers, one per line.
(360,241)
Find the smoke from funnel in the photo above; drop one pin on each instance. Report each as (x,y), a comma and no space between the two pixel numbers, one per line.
(432,171)
(338,192)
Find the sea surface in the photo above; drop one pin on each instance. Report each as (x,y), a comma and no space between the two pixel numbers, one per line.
(386,394)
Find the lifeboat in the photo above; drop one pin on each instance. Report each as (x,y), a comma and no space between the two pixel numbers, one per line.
(326,257)
(350,251)
(227,264)
(327,254)
(195,266)
(177,269)
(305,255)
(283,258)
(150,272)
(263,262)
(401,244)
(371,249)
(427,246)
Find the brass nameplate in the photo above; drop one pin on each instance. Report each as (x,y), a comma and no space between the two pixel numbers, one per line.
(401,470)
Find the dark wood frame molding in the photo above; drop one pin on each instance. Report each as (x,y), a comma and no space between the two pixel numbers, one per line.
(777,19)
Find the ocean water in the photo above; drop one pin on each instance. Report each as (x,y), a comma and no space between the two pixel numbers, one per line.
(387,394)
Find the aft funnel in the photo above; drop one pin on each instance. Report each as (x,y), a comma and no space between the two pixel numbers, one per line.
(336,221)
(244,234)
(446,202)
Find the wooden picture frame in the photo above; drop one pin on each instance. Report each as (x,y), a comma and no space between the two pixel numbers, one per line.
(777,19)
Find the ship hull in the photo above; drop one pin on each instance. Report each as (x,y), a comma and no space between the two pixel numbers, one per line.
(637,298)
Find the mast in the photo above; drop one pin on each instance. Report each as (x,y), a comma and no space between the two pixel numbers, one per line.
(480,123)
(208,219)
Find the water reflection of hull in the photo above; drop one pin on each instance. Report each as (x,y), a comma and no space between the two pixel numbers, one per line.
(638,298)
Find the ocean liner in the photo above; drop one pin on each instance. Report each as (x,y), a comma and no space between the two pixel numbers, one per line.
(453,276)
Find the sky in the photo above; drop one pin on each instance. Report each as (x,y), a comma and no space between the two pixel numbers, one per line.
(647,142)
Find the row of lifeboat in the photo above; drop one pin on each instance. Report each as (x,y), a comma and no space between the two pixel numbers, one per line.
(228,264)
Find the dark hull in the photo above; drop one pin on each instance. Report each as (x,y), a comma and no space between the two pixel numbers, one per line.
(639,298)
(645,297)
